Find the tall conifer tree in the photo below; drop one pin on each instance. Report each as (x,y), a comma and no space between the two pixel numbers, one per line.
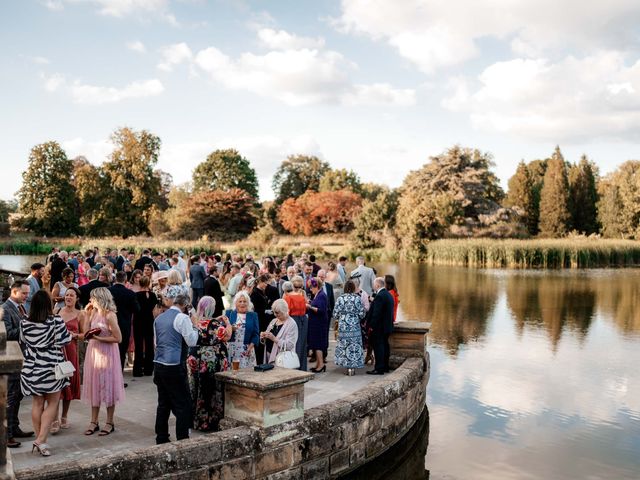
(521,195)
(555,216)
(584,196)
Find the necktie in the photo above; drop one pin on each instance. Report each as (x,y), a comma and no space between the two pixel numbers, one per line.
(22,310)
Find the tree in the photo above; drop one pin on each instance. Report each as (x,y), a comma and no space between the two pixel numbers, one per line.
(296,175)
(584,196)
(521,195)
(619,206)
(537,169)
(340,179)
(555,216)
(320,212)
(454,186)
(221,214)
(374,226)
(47,197)
(225,170)
(136,188)
(92,193)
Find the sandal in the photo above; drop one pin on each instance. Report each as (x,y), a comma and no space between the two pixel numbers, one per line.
(55,427)
(64,423)
(104,432)
(42,448)
(91,431)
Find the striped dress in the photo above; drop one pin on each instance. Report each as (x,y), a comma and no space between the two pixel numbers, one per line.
(42,348)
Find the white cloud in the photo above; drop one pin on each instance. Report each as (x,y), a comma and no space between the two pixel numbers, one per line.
(282,40)
(41,60)
(137,46)
(97,95)
(174,55)
(573,99)
(435,34)
(53,82)
(95,151)
(298,77)
(54,5)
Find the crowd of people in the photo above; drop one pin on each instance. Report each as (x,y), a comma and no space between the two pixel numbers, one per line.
(181,321)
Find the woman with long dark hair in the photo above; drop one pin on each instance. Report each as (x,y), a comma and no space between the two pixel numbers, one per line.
(42,335)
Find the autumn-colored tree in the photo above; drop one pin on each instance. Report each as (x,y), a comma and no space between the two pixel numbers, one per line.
(555,216)
(47,198)
(225,170)
(453,186)
(135,186)
(339,180)
(296,175)
(619,206)
(320,212)
(584,196)
(220,214)
(520,195)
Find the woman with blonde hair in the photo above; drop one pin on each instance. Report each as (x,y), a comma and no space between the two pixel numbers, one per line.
(175,278)
(246,330)
(103,382)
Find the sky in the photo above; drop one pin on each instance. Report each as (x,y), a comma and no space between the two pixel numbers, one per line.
(373,86)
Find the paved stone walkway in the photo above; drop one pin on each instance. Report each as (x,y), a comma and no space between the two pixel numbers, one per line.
(135,418)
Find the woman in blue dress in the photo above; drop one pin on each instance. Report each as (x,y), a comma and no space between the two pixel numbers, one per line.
(349,311)
(317,336)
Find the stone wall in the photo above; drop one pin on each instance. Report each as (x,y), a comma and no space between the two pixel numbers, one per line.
(331,440)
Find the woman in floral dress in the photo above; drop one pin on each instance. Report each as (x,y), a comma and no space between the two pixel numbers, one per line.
(205,360)
(349,311)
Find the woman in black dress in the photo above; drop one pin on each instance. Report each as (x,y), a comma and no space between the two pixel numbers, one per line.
(143,330)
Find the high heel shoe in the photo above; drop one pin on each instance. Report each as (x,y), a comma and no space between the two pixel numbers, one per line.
(42,448)
(55,427)
(321,370)
(64,423)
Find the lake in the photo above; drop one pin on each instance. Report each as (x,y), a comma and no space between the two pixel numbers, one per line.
(534,374)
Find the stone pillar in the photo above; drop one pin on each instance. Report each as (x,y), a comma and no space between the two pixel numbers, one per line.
(264,399)
(10,362)
(409,339)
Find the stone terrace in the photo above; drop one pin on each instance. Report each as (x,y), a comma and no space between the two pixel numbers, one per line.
(134,419)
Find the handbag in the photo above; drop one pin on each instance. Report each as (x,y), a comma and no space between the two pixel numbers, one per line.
(287,359)
(64,369)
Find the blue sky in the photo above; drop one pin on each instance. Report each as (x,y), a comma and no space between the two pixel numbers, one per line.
(374,86)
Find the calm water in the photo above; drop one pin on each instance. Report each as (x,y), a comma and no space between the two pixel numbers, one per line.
(534,374)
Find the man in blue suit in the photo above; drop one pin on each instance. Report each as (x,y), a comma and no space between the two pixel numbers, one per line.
(381,324)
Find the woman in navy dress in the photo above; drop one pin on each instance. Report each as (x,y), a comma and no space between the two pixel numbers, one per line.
(317,337)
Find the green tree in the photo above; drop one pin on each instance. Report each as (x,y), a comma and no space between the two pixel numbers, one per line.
(371,190)
(537,169)
(555,216)
(47,198)
(584,196)
(454,187)
(340,179)
(521,195)
(610,209)
(225,170)
(296,175)
(373,228)
(135,186)
(92,193)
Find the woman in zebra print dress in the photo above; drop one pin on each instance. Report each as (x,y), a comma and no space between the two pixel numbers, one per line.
(42,336)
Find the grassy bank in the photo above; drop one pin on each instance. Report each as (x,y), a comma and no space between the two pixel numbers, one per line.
(576,252)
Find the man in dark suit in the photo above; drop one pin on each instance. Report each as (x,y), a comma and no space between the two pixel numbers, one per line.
(13,312)
(212,289)
(57,266)
(145,259)
(85,290)
(121,260)
(197,276)
(126,305)
(331,300)
(381,324)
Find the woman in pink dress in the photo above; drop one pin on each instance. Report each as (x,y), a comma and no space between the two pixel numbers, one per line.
(103,383)
(83,268)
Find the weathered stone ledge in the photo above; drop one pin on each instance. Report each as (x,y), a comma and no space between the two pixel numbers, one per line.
(329,441)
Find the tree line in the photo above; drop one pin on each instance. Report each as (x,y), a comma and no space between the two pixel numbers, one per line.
(455,194)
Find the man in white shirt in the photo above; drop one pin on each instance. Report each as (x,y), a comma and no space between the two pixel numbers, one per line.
(174,331)
(236,278)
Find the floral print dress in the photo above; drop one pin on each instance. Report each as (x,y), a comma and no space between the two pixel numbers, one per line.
(238,350)
(349,350)
(204,361)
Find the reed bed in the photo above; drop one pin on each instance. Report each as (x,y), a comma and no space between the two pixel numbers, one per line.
(539,253)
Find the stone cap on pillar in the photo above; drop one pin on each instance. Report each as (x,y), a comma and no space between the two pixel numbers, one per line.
(263,381)
(11,359)
(413,327)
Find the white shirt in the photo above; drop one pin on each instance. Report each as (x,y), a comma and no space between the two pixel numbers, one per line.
(182,265)
(182,324)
